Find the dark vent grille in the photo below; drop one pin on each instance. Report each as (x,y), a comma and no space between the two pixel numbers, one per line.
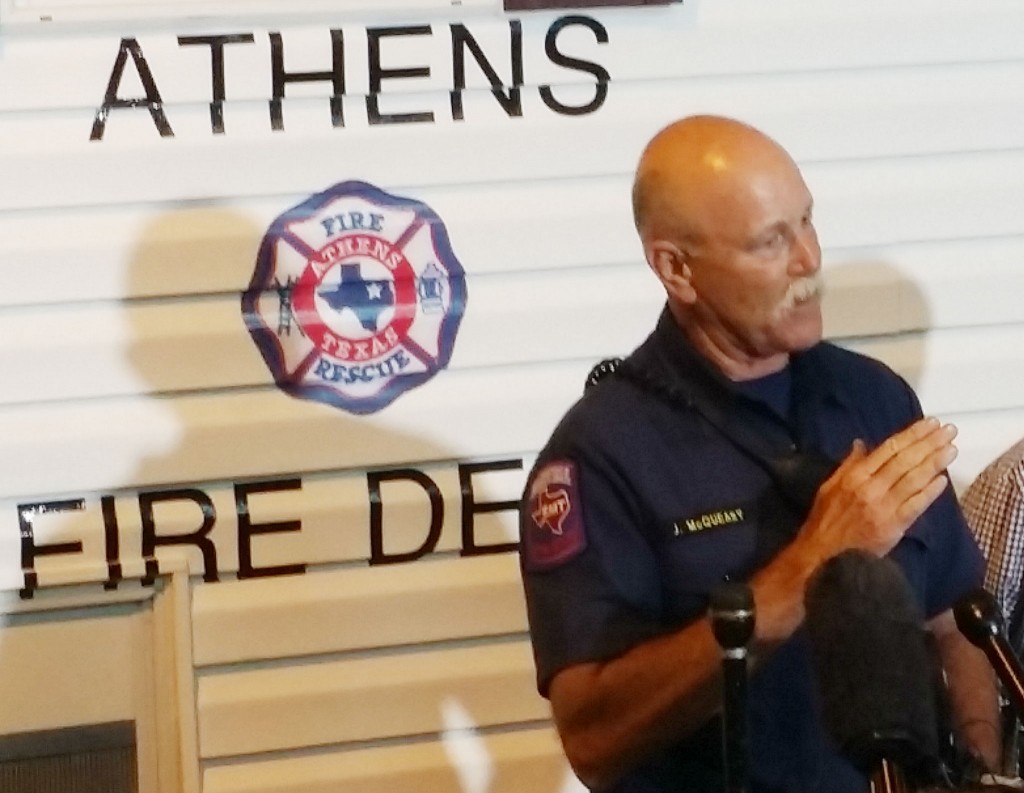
(97,758)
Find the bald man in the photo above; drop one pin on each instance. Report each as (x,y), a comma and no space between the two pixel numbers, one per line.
(643,500)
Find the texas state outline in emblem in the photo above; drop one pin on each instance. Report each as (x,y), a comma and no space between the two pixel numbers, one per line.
(356,298)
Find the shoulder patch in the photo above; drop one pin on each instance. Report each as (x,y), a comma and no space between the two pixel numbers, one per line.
(553,531)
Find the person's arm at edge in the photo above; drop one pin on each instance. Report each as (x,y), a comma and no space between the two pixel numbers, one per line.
(973,694)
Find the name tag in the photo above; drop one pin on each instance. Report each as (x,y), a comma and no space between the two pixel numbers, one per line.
(710,520)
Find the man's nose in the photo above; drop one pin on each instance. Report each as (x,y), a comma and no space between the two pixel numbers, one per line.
(805,254)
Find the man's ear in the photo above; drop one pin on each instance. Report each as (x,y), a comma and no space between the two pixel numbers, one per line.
(669,263)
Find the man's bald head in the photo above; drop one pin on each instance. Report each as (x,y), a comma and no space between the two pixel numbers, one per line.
(725,219)
(692,162)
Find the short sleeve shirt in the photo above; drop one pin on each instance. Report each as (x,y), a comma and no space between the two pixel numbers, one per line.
(637,508)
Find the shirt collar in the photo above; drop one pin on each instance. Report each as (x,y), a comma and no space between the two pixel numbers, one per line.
(668,356)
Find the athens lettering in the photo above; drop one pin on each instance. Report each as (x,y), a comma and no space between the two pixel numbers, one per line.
(508,93)
(709,520)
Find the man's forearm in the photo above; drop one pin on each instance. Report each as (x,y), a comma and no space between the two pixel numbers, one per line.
(611,715)
(973,693)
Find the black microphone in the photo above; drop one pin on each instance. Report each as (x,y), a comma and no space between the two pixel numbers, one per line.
(732,621)
(981,622)
(874,669)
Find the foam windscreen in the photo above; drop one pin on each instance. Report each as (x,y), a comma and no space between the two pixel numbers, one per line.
(875,671)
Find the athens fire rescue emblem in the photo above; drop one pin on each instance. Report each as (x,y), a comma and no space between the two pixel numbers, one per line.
(356,298)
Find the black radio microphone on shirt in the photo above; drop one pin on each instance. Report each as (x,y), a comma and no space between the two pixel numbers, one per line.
(732,621)
(980,621)
(874,669)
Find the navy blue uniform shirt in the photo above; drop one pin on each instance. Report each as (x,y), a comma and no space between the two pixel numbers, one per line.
(637,507)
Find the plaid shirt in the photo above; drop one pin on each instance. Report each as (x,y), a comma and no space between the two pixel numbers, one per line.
(994,508)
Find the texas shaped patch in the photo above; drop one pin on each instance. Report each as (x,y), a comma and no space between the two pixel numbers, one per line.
(553,531)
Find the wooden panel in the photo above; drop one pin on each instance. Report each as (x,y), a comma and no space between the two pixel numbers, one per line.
(517,230)
(914,200)
(345,610)
(208,437)
(314,704)
(56,672)
(51,13)
(525,760)
(330,514)
(872,121)
(131,252)
(926,286)
(160,347)
(252,434)
(205,247)
(334,510)
(241,435)
(971,368)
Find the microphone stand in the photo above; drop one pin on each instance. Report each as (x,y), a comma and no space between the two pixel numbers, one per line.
(980,621)
(732,621)
(888,778)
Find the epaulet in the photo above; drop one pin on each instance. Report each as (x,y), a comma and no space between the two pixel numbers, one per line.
(602,370)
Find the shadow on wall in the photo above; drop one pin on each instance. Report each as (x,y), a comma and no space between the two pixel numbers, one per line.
(871,307)
(235,429)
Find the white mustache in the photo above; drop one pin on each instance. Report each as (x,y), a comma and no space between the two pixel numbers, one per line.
(802,290)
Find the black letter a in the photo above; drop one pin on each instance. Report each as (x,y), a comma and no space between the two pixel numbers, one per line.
(152,99)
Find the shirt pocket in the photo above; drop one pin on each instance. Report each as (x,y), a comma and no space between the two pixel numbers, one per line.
(701,549)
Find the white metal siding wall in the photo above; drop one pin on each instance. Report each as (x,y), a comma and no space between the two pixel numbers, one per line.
(129,367)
